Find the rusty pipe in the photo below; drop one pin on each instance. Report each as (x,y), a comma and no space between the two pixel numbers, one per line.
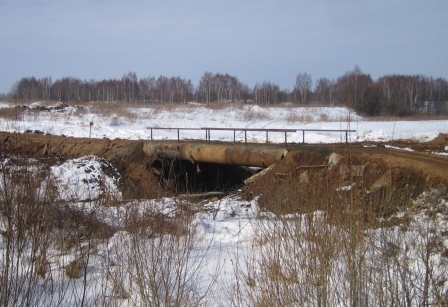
(233,154)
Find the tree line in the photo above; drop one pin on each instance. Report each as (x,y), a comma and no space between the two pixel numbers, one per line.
(398,95)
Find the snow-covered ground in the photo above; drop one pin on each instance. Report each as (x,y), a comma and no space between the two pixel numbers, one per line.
(225,229)
(74,121)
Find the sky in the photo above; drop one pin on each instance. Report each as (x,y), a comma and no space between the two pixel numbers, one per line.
(254,40)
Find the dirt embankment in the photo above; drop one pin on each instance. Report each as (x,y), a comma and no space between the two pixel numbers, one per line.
(127,156)
(303,166)
(376,175)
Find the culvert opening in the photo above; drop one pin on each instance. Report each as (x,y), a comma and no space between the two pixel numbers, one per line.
(182,176)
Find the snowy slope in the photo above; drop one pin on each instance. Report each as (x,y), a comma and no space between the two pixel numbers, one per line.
(75,122)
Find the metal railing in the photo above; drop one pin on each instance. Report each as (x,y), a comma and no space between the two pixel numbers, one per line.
(178,130)
(245,130)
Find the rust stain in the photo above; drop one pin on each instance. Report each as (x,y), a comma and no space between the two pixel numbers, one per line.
(233,154)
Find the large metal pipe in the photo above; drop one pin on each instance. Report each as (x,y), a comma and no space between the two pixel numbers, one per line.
(233,154)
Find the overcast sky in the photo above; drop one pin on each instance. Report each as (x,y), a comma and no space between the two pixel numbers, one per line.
(254,40)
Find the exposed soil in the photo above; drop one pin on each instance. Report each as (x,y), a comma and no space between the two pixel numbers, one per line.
(303,175)
(127,156)
(378,176)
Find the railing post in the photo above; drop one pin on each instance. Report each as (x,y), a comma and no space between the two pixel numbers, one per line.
(151,134)
(234,135)
(286,141)
(267,138)
(303,136)
(346,136)
(245,137)
(178,139)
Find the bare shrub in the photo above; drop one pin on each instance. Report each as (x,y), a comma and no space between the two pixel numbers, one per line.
(160,266)
(292,262)
(351,255)
(406,261)
(256,115)
(26,207)
(37,235)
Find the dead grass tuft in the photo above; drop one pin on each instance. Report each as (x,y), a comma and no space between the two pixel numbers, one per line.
(74,269)
(256,115)
(11,113)
(293,117)
(113,109)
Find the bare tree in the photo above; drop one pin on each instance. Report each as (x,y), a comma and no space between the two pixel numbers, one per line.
(324,91)
(351,88)
(304,84)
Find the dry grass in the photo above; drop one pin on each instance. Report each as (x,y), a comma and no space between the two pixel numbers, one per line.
(112,109)
(223,105)
(333,256)
(330,246)
(250,115)
(419,117)
(156,266)
(292,118)
(74,269)
(11,113)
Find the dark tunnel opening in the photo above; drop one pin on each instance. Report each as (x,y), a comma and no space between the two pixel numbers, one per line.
(182,176)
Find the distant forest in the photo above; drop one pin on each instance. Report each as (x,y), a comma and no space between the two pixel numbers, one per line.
(396,95)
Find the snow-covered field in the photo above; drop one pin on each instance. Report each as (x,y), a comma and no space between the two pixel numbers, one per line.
(74,121)
(215,263)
